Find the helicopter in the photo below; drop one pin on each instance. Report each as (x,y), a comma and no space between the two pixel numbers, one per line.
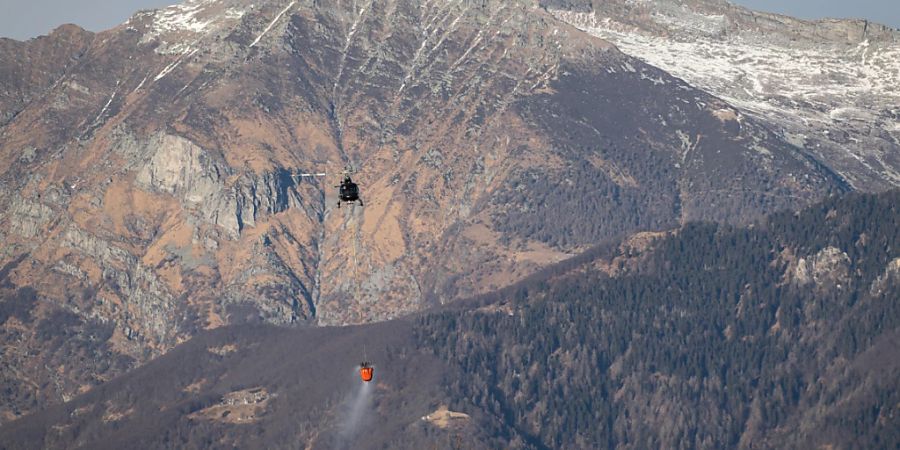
(348,191)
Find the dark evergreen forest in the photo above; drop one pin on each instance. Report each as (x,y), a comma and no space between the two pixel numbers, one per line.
(781,334)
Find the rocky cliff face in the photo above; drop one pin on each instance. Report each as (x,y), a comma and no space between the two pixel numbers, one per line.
(147,191)
(827,86)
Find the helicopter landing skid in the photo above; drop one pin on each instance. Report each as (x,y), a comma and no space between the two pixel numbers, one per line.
(352,203)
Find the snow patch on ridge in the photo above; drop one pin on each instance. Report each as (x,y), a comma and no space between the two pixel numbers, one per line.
(178,27)
(271,24)
(803,90)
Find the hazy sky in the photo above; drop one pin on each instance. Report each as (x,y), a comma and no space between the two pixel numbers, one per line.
(23,19)
(881,11)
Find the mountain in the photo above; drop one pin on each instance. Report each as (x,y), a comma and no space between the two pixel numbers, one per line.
(146,171)
(31,68)
(828,86)
(781,334)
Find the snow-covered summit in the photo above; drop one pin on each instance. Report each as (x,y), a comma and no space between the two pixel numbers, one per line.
(830,87)
(177,26)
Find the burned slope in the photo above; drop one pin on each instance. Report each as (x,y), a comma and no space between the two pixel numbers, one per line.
(259,387)
(778,335)
(647,156)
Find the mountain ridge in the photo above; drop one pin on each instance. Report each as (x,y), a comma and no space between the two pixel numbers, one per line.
(826,86)
(148,194)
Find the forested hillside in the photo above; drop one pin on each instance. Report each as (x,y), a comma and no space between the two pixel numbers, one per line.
(783,334)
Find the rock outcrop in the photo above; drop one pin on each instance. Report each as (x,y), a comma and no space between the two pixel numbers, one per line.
(829,267)
(890,277)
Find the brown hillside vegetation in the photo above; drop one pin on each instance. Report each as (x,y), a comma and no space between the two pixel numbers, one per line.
(707,339)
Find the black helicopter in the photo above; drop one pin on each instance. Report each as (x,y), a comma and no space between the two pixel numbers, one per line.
(348,191)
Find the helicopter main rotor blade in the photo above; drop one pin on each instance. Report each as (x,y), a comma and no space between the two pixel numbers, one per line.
(310,175)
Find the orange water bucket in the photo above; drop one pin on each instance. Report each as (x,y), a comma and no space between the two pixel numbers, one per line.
(366,373)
